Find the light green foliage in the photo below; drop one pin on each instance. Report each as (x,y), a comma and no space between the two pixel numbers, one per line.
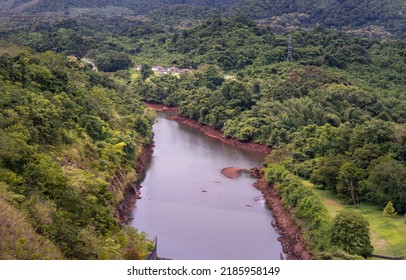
(111,61)
(10,196)
(134,245)
(350,232)
(327,171)
(336,113)
(349,177)
(18,238)
(389,210)
(14,147)
(307,207)
(63,137)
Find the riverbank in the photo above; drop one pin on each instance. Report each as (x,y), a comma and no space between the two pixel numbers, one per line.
(214,133)
(291,236)
(132,190)
(209,131)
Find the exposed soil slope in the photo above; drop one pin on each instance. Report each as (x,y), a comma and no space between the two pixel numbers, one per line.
(211,132)
(291,235)
(132,191)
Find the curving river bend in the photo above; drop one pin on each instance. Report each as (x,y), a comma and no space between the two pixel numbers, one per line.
(196,212)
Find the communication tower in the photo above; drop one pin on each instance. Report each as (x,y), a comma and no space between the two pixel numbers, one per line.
(289,56)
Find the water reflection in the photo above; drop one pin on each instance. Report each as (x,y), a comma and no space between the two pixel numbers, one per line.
(196,212)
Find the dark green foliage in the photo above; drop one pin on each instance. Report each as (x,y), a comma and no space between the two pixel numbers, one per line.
(143,127)
(327,171)
(349,179)
(336,122)
(112,61)
(387,182)
(334,13)
(94,126)
(350,232)
(146,71)
(213,77)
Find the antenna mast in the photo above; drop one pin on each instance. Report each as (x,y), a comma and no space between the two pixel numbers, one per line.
(289,56)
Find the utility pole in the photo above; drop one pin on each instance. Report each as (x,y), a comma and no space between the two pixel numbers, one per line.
(289,56)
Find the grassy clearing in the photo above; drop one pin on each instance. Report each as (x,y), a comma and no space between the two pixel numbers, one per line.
(388,234)
(332,204)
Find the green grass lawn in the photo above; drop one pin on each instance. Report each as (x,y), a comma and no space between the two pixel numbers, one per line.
(388,234)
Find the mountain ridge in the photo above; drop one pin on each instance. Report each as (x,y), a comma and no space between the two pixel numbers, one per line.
(340,14)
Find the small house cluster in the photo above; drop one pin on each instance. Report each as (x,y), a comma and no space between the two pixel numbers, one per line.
(166,70)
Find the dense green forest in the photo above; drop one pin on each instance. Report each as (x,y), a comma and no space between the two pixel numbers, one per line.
(365,16)
(334,116)
(338,108)
(64,132)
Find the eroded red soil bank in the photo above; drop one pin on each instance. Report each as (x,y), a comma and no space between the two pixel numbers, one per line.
(291,235)
(132,190)
(211,132)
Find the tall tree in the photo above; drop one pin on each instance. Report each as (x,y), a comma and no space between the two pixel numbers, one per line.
(350,232)
(387,182)
(349,178)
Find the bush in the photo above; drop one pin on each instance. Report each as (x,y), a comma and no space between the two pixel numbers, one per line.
(307,207)
(350,232)
(389,210)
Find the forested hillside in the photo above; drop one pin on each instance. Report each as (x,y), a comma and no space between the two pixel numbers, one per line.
(332,13)
(342,100)
(64,133)
(334,116)
(138,6)
(365,16)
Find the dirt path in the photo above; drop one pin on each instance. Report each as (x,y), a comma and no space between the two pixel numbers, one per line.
(94,68)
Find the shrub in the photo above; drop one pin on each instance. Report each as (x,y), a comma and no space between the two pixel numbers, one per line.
(350,232)
(389,210)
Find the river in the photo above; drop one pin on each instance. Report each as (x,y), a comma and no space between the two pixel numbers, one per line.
(194,210)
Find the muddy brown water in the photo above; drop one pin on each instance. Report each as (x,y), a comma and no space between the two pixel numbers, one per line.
(194,210)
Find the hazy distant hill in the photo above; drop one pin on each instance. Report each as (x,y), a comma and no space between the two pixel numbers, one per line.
(138,6)
(389,15)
